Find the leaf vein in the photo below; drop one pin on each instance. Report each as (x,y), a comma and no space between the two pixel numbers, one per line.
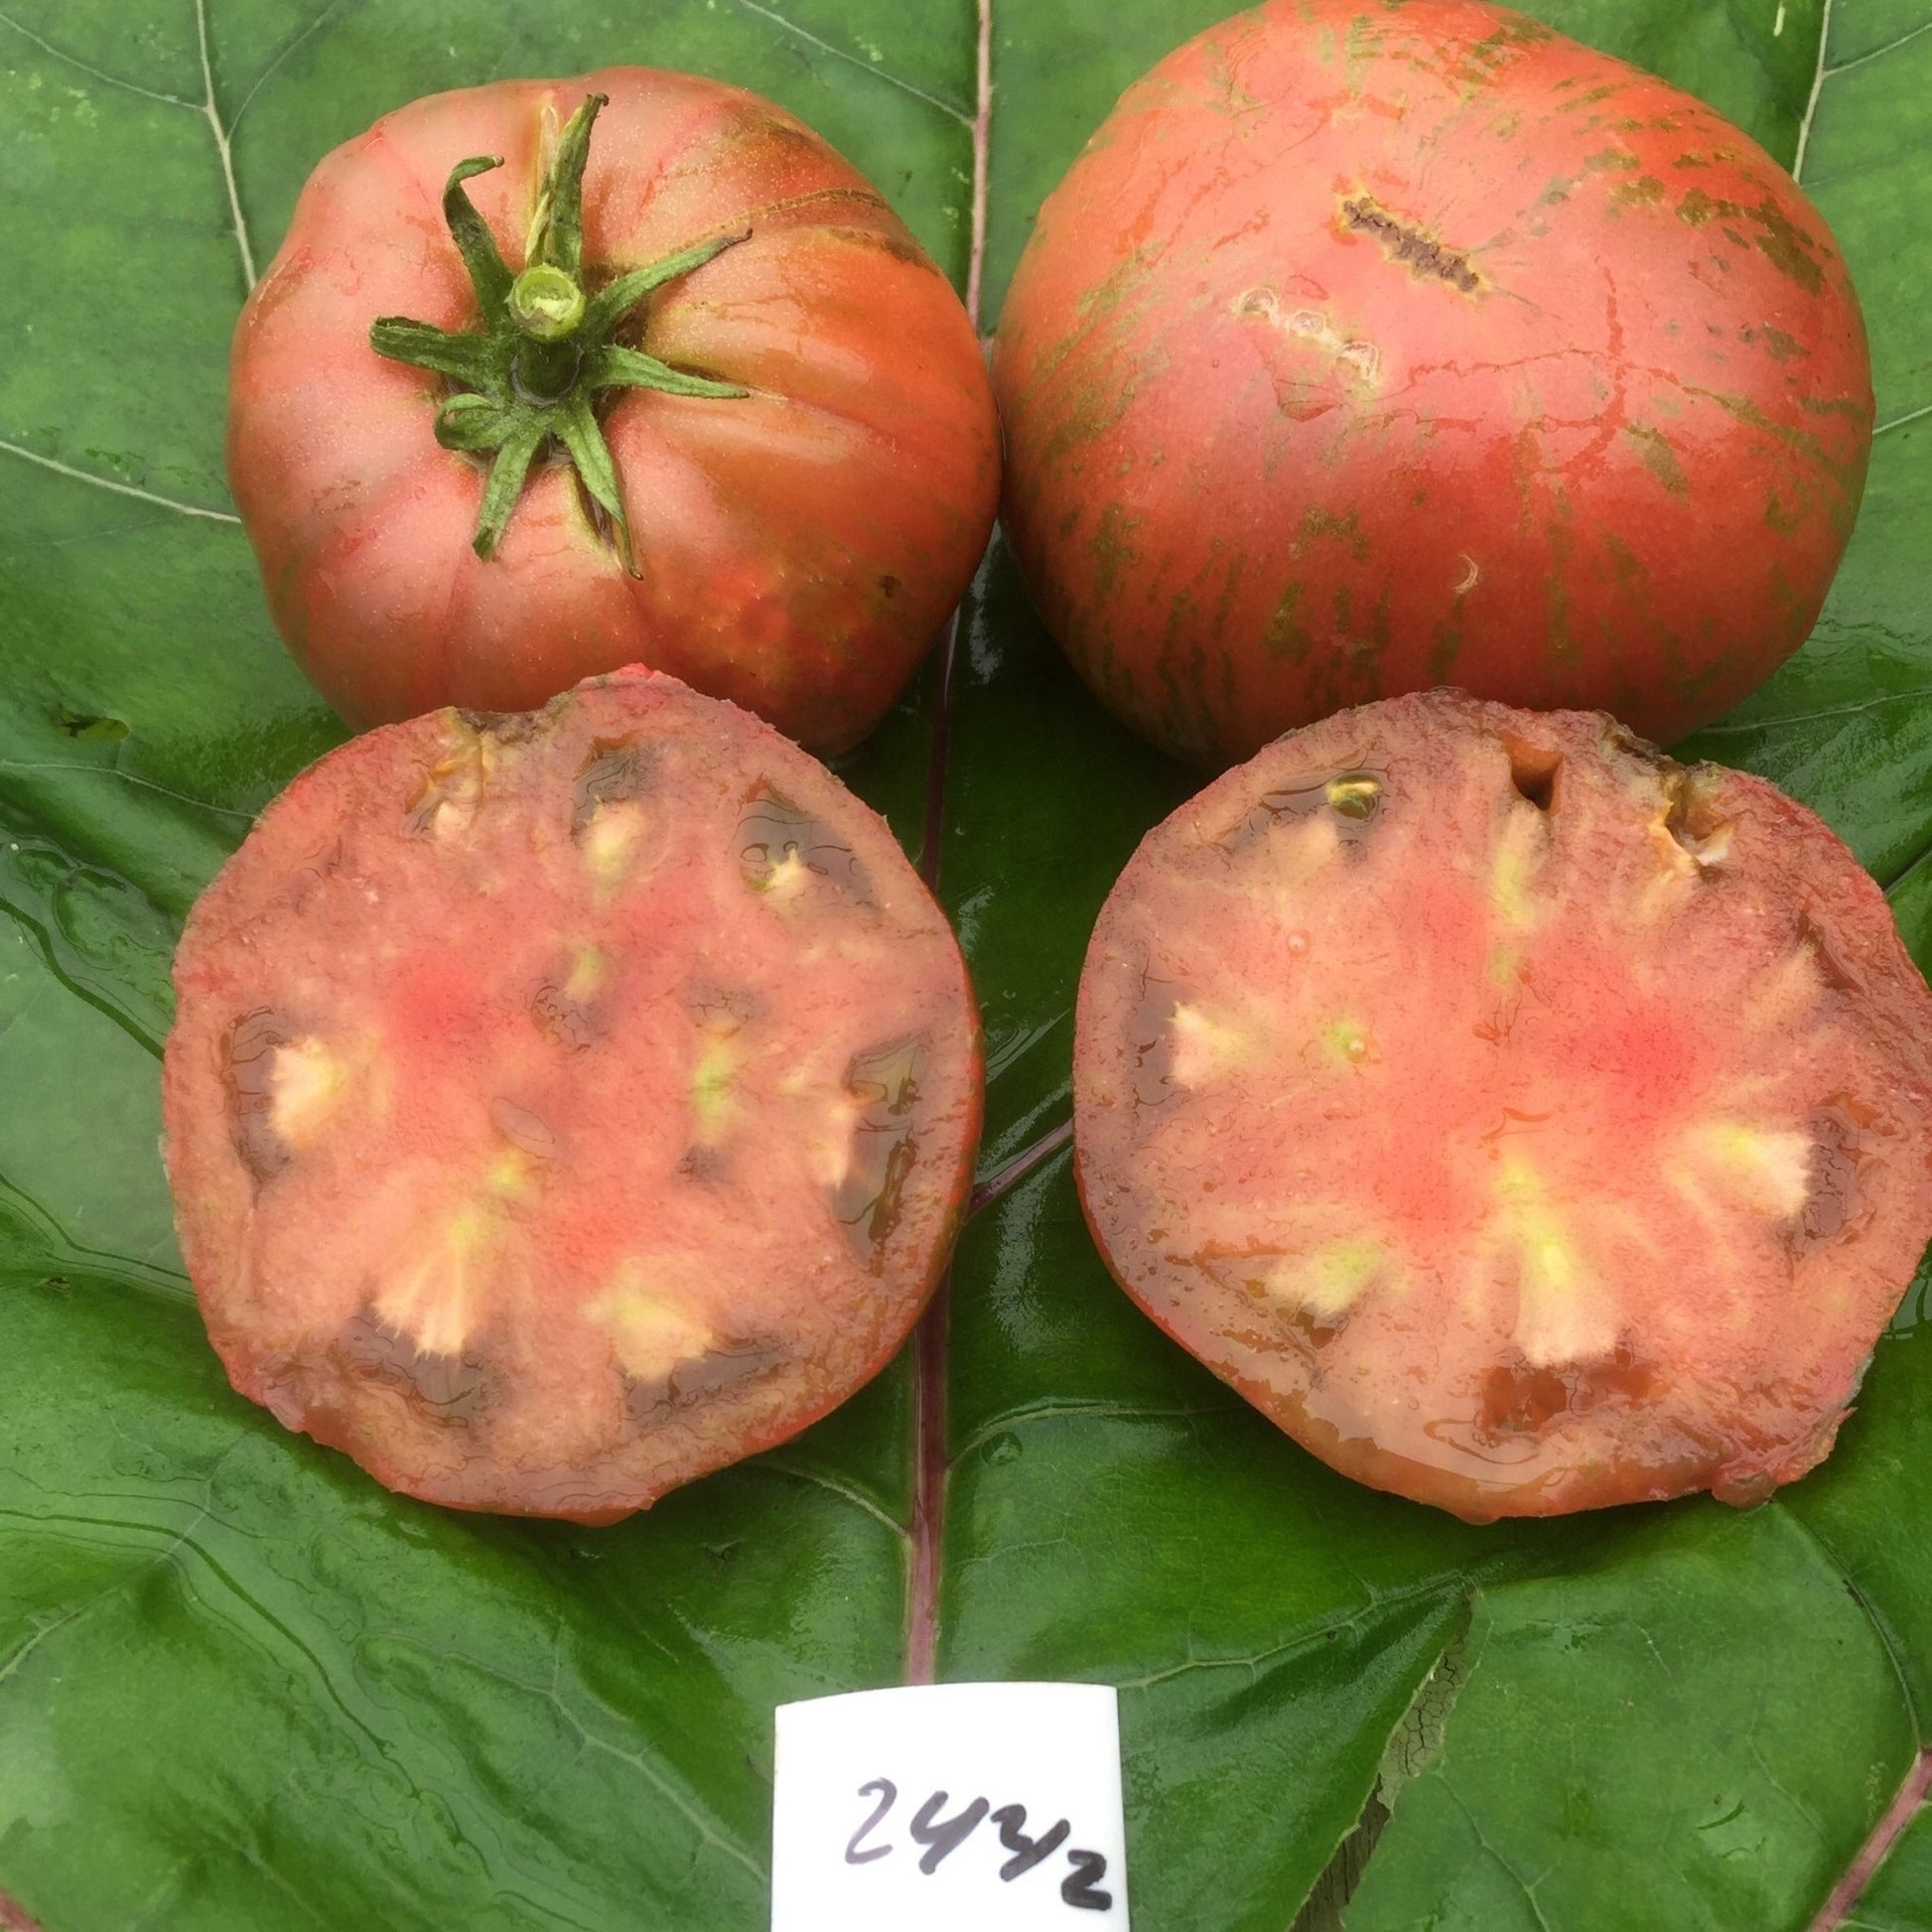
(133,778)
(1837,1564)
(1010,1173)
(83,66)
(1907,869)
(857,1497)
(663,1786)
(1877,53)
(1302,1639)
(119,488)
(1817,88)
(1740,727)
(1050,1410)
(327,14)
(1899,422)
(948,107)
(1503,1862)
(222,148)
(66,1252)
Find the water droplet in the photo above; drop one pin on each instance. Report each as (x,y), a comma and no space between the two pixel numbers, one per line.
(1356,796)
(523,1130)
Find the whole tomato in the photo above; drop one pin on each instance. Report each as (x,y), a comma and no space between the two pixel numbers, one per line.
(687,393)
(1370,348)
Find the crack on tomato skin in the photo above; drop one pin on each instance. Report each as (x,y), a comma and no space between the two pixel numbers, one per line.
(1695,824)
(1412,246)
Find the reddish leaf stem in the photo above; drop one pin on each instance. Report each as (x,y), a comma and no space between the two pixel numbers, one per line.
(926,1531)
(1020,1166)
(929,1459)
(13,1918)
(1904,1808)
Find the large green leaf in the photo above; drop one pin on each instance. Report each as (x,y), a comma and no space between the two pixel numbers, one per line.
(240,1687)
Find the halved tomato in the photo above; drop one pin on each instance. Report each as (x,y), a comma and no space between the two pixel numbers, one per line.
(562,1105)
(1523,1120)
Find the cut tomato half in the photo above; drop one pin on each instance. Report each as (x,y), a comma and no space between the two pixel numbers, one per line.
(1523,1120)
(565,1104)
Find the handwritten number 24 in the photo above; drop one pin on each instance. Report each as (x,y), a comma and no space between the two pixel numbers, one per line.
(941,1837)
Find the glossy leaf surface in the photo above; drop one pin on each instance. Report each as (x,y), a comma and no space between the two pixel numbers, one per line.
(241,1687)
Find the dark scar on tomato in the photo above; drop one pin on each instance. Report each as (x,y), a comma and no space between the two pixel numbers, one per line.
(1842,1131)
(1519,1399)
(616,773)
(771,829)
(452,1384)
(1419,253)
(506,726)
(570,1024)
(711,1372)
(247,1062)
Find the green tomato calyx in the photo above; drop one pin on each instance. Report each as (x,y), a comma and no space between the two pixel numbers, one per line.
(525,380)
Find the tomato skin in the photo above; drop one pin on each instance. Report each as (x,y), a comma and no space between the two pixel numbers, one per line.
(1367,351)
(799,548)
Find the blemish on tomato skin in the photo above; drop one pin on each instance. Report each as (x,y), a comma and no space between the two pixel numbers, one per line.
(1345,528)
(1409,244)
(1658,456)
(1111,548)
(1645,191)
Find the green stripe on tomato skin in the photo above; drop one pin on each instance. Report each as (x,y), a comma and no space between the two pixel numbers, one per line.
(1293,341)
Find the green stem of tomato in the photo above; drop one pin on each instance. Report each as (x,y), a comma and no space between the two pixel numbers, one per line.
(546,303)
(527,380)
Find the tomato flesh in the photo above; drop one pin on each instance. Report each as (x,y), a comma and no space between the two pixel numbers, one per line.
(1521,1120)
(562,1105)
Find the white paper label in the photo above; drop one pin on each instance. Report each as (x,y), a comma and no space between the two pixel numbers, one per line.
(950,1807)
